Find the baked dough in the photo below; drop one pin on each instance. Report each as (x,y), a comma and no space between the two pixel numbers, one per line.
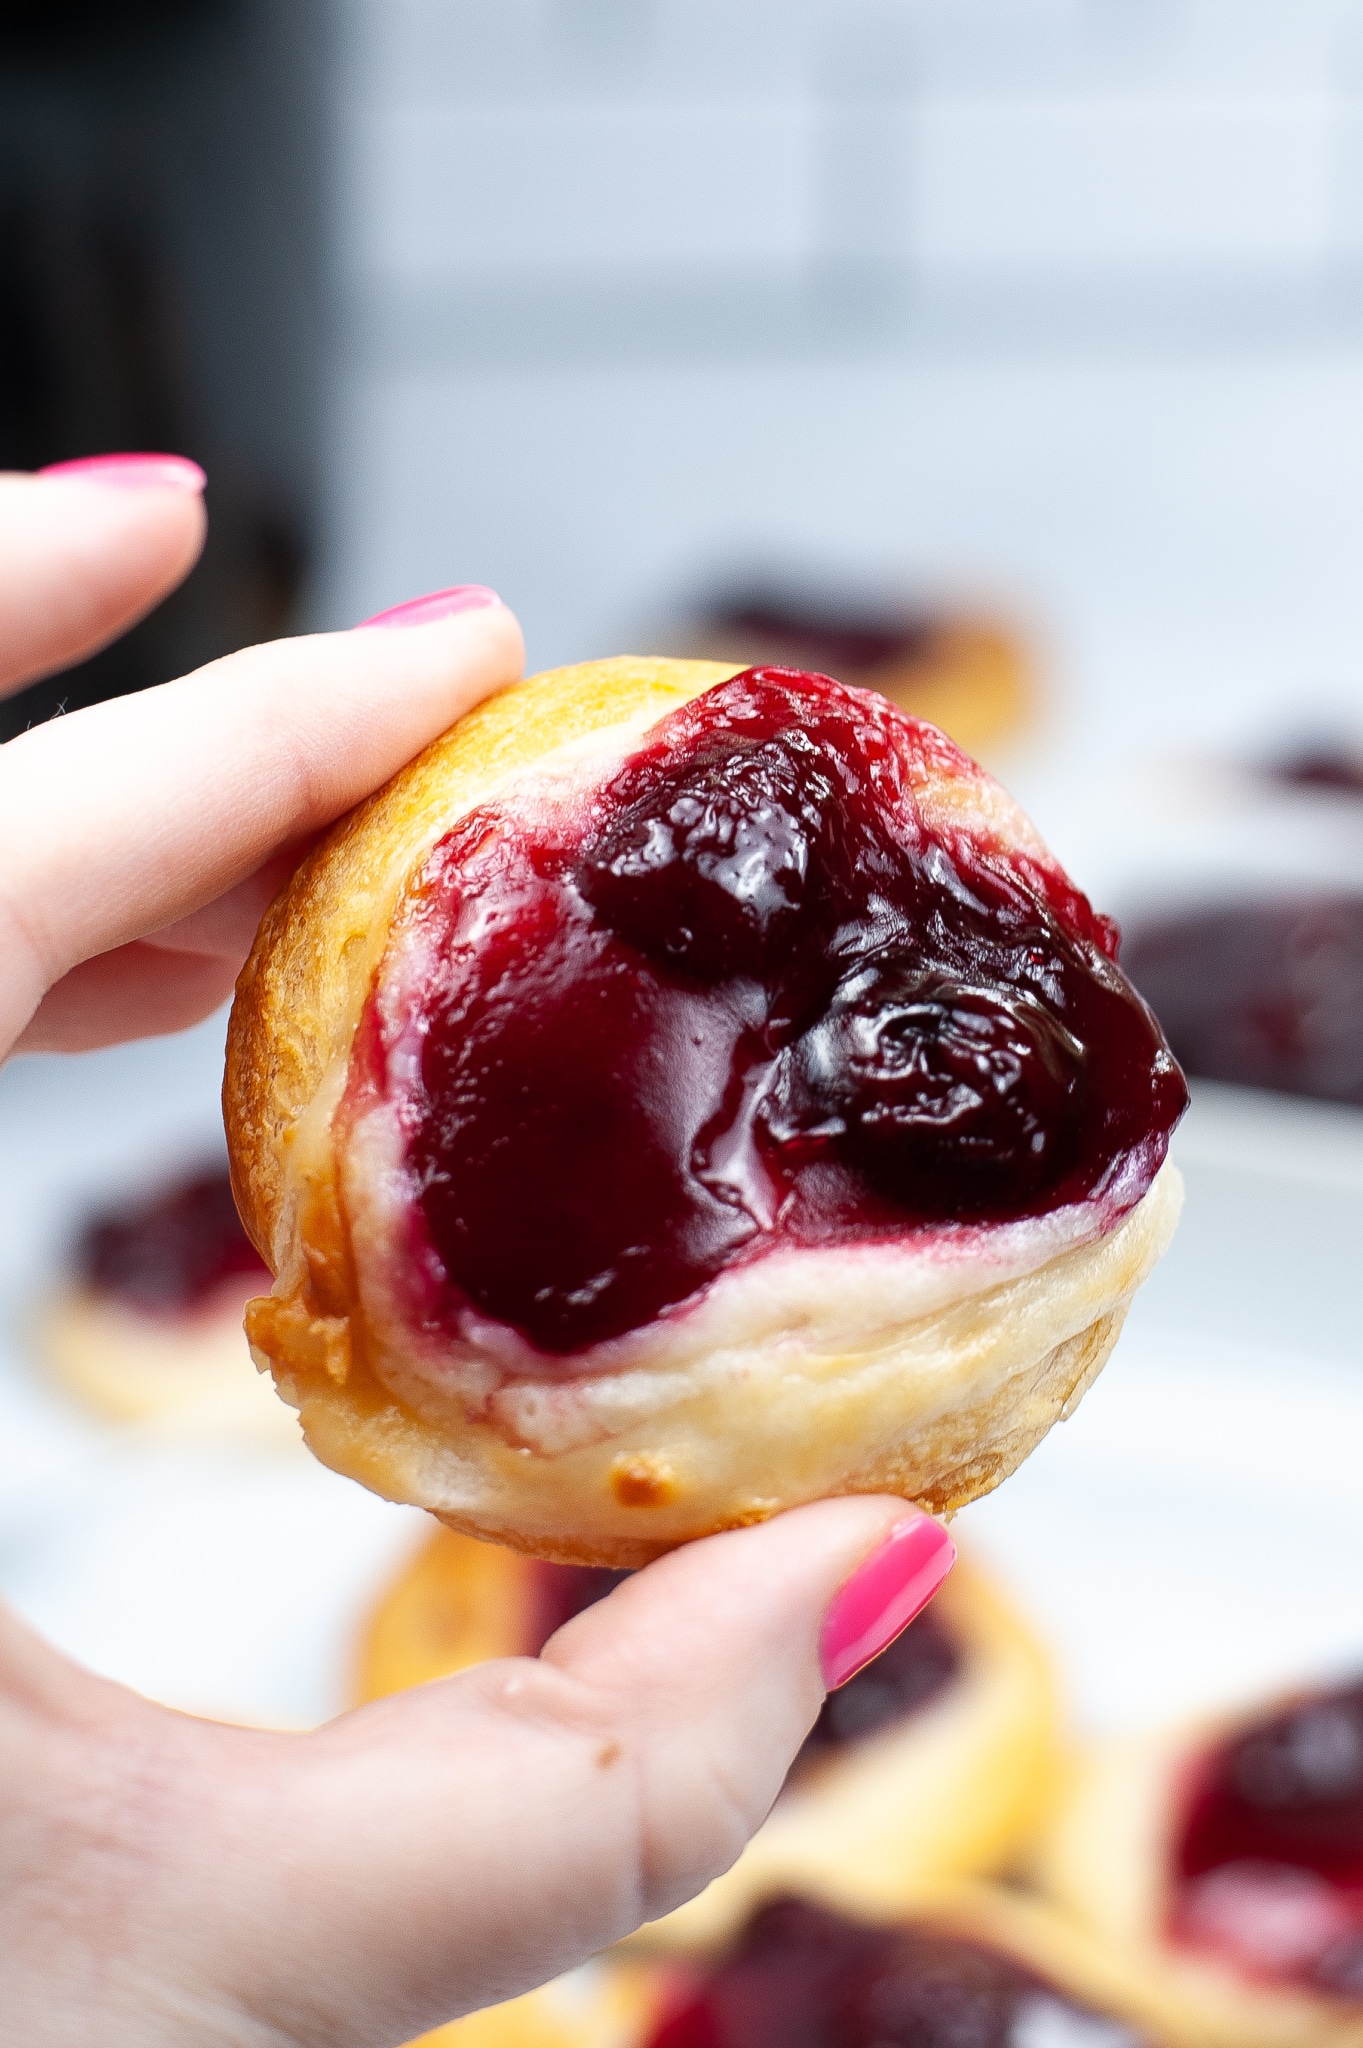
(924,1372)
(1106,1858)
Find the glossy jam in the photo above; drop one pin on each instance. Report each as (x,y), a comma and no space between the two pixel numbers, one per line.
(171,1255)
(805,1978)
(748,994)
(1268,994)
(1269,1854)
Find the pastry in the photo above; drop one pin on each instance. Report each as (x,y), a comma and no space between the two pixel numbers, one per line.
(936,1760)
(964,671)
(602,2005)
(679,1095)
(972,1968)
(1264,992)
(460,1602)
(147,1328)
(1226,1864)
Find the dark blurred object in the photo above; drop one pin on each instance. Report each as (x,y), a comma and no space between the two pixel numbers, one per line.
(804,1977)
(160,259)
(969,675)
(1267,994)
(169,1255)
(1323,767)
(58,26)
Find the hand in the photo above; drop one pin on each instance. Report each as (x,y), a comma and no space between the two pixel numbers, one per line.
(141,840)
(167,1880)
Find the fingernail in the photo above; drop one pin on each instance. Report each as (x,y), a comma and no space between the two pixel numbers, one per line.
(133,472)
(882,1597)
(441,604)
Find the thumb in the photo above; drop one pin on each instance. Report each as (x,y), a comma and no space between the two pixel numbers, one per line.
(449,1847)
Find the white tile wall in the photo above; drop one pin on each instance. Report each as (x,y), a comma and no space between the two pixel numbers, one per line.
(1056,299)
(506,191)
(639,135)
(1098,182)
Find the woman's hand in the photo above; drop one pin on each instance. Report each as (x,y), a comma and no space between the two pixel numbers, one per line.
(141,840)
(168,1880)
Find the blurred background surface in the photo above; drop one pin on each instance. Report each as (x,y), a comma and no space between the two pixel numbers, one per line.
(1042,313)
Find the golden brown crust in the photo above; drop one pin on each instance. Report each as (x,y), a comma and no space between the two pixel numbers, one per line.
(820,1375)
(1106,1857)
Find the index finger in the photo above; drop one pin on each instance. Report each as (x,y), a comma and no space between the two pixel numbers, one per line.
(118,820)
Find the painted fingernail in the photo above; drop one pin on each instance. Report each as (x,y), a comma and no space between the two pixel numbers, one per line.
(133,472)
(441,604)
(882,1596)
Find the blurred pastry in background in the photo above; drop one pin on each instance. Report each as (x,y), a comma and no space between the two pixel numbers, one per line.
(1226,1864)
(1264,992)
(972,1969)
(1335,767)
(936,1760)
(605,2004)
(970,674)
(148,1325)
(460,1602)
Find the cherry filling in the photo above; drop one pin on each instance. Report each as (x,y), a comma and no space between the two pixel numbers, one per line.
(749,992)
(806,1978)
(1269,1856)
(170,1255)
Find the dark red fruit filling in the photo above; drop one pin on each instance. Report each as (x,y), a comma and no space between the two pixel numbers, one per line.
(1267,994)
(170,1255)
(746,993)
(806,1978)
(1269,1859)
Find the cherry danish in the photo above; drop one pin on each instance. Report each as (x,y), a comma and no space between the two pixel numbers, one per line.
(147,1326)
(1230,1864)
(684,1093)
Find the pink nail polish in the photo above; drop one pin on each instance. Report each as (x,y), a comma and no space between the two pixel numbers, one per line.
(132,472)
(882,1596)
(441,604)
